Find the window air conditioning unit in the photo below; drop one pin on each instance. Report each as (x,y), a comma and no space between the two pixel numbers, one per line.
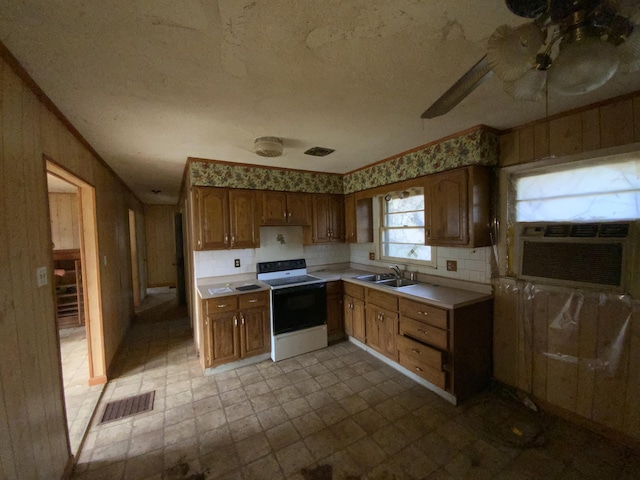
(576,254)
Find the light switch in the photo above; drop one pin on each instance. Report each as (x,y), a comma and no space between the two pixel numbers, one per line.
(41,275)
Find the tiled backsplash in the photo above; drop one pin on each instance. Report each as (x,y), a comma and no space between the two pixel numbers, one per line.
(473,264)
(276,243)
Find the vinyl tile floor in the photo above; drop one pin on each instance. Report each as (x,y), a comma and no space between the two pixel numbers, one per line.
(80,398)
(337,413)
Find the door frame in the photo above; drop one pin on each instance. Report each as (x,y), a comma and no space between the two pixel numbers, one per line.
(89,255)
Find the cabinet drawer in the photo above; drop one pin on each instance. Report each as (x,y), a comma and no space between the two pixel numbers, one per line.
(222,304)
(354,290)
(251,300)
(438,317)
(382,299)
(416,350)
(424,333)
(334,288)
(437,377)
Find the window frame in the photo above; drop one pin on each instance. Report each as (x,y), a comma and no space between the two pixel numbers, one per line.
(380,227)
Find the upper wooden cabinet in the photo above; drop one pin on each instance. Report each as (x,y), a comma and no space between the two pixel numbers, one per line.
(328,219)
(457,207)
(225,218)
(280,208)
(358,219)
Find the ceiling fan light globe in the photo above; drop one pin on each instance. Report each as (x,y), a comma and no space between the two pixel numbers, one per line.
(511,51)
(583,66)
(629,52)
(530,87)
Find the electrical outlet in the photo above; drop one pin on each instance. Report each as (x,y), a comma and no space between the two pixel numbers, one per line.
(452,265)
(41,275)
(372,255)
(236,262)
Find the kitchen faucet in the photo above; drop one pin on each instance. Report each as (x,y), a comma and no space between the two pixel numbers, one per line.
(396,270)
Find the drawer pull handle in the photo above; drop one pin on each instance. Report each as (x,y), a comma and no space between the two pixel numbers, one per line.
(222,305)
(423,331)
(415,350)
(419,369)
(253,300)
(420,312)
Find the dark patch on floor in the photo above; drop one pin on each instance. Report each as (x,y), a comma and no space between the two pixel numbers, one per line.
(321,472)
(180,471)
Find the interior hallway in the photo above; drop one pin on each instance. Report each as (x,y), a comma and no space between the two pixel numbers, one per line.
(336,413)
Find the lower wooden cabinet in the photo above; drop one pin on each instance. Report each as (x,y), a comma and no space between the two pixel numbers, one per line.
(235,327)
(353,308)
(335,324)
(448,347)
(382,323)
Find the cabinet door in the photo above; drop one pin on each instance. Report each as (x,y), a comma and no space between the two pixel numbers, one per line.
(225,339)
(336,218)
(245,231)
(211,218)
(350,223)
(446,208)
(274,208)
(256,337)
(348,314)
(373,328)
(359,324)
(321,225)
(388,328)
(334,314)
(298,209)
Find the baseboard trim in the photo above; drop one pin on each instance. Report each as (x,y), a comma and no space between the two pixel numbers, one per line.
(98,380)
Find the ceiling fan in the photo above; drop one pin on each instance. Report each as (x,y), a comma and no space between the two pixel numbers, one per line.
(571,46)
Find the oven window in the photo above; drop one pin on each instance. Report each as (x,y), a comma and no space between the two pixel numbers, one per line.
(297,308)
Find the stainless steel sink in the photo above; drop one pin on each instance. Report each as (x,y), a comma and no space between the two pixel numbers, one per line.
(375,278)
(397,283)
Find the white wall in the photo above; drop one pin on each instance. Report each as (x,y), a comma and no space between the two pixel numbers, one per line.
(474,264)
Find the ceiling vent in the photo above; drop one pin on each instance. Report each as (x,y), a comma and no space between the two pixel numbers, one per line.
(268,146)
(319,151)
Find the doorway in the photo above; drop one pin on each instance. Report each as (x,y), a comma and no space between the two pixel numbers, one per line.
(72,214)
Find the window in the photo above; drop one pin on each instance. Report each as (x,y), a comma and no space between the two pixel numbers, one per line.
(609,191)
(402,229)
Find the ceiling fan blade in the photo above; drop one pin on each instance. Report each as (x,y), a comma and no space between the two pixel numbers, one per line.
(463,87)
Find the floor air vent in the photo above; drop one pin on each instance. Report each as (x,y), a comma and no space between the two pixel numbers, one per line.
(128,406)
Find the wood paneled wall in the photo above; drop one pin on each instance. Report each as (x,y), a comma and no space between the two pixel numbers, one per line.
(161,245)
(523,336)
(604,125)
(32,418)
(65,231)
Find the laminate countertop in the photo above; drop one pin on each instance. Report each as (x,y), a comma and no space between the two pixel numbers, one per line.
(428,291)
(434,293)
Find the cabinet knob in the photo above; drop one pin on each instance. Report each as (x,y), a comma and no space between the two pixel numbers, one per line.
(423,331)
(226,238)
(235,321)
(233,238)
(199,243)
(253,300)
(415,350)
(284,214)
(242,318)
(418,369)
(420,312)
(221,305)
(289,214)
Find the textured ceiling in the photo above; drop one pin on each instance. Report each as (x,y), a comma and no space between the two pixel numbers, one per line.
(151,82)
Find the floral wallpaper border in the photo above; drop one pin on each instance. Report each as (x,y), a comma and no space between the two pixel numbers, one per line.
(478,147)
(213,174)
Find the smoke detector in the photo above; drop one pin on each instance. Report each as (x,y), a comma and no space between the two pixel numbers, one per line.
(268,146)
